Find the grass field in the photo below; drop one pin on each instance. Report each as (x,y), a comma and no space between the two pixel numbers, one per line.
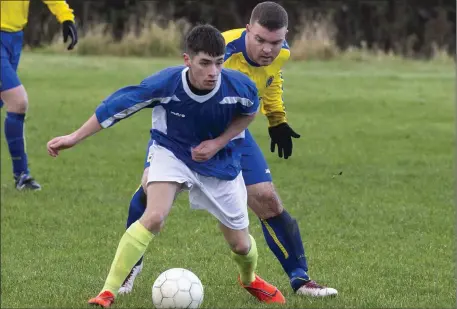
(371,183)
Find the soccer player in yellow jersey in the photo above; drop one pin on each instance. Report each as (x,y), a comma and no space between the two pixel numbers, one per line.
(13,95)
(260,51)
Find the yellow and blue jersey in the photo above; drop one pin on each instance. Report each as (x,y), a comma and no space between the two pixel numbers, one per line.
(14,13)
(268,79)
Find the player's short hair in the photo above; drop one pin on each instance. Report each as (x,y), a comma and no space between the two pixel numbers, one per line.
(270,15)
(206,39)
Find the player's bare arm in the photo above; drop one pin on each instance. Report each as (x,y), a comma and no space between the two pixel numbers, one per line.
(120,105)
(90,127)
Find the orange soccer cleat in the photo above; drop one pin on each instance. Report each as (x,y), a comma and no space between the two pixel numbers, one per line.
(105,299)
(264,291)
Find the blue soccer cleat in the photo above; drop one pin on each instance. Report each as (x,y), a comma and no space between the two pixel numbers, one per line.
(26,182)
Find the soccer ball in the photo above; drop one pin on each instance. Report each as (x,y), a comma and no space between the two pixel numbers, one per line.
(177,288)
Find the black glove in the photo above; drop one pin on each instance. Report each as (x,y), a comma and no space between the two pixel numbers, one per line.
(281,135)
(69,30)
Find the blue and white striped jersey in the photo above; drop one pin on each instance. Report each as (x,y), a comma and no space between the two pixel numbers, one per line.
(182,120)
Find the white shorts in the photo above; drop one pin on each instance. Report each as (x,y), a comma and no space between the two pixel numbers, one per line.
(224,199)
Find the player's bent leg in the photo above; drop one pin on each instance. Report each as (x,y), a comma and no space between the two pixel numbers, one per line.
(134,242)
(282,234)
(244,253)
(136,209)
(165,180)
(226,200)
(16,103)
(280,230)
(160,197)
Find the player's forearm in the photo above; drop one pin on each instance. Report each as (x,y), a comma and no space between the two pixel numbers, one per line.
(238,125)
(276,118)
(90,127)
(274,110)
(61,10)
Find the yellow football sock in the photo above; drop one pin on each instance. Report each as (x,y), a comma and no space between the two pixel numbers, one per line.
(132,246)
(247,264)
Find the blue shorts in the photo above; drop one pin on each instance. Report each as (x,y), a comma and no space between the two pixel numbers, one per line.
(10,52)
(253,164)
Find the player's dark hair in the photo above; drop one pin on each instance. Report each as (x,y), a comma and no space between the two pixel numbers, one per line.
(270,15)
(206,39)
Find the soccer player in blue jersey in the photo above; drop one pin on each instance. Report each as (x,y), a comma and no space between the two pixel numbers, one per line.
(200,113)
(260,51)
(13,19)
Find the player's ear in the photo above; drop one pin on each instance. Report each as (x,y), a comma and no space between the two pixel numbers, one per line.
(186,59)
(248,26)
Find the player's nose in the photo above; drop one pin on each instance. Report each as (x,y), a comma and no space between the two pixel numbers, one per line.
(212,71)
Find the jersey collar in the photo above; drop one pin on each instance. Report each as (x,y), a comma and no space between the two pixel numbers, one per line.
(193,96)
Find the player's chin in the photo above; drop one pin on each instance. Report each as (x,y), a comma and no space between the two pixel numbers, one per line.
(200,159)
(264,61)
(209,84)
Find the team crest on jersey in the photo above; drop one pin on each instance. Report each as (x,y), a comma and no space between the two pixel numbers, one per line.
(269,80)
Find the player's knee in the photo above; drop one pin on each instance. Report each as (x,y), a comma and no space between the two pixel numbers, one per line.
(241,247)
(153,221)
(15,100)
(264,201)
(22,106)
(19,105)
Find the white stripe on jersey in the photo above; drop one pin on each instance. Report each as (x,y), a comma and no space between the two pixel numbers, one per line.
(233,100)
(132,109)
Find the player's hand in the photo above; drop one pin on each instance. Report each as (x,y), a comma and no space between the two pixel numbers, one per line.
(60,143)
(281,135)
(206,150)
(69,30)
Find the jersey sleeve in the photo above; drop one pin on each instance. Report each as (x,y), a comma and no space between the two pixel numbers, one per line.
(126,101)
(250,104)
(273,104)
(61,10)
(272,101)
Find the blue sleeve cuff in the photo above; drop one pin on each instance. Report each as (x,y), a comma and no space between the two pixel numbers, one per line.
(103,116)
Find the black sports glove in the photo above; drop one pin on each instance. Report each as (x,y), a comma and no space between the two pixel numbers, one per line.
(281,135)
(69,30)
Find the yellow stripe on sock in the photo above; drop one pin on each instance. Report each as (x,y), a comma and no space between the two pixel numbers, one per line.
(275,239)
(300,278)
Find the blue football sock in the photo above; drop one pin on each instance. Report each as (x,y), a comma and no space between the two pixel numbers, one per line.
(283,237)
(136,210)
(14,132)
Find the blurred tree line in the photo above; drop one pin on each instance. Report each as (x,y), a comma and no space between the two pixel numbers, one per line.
(408,27)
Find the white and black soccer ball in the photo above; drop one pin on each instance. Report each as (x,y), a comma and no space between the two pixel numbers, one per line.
(177,288)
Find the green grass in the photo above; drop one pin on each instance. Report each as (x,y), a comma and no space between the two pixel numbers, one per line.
(371,183)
